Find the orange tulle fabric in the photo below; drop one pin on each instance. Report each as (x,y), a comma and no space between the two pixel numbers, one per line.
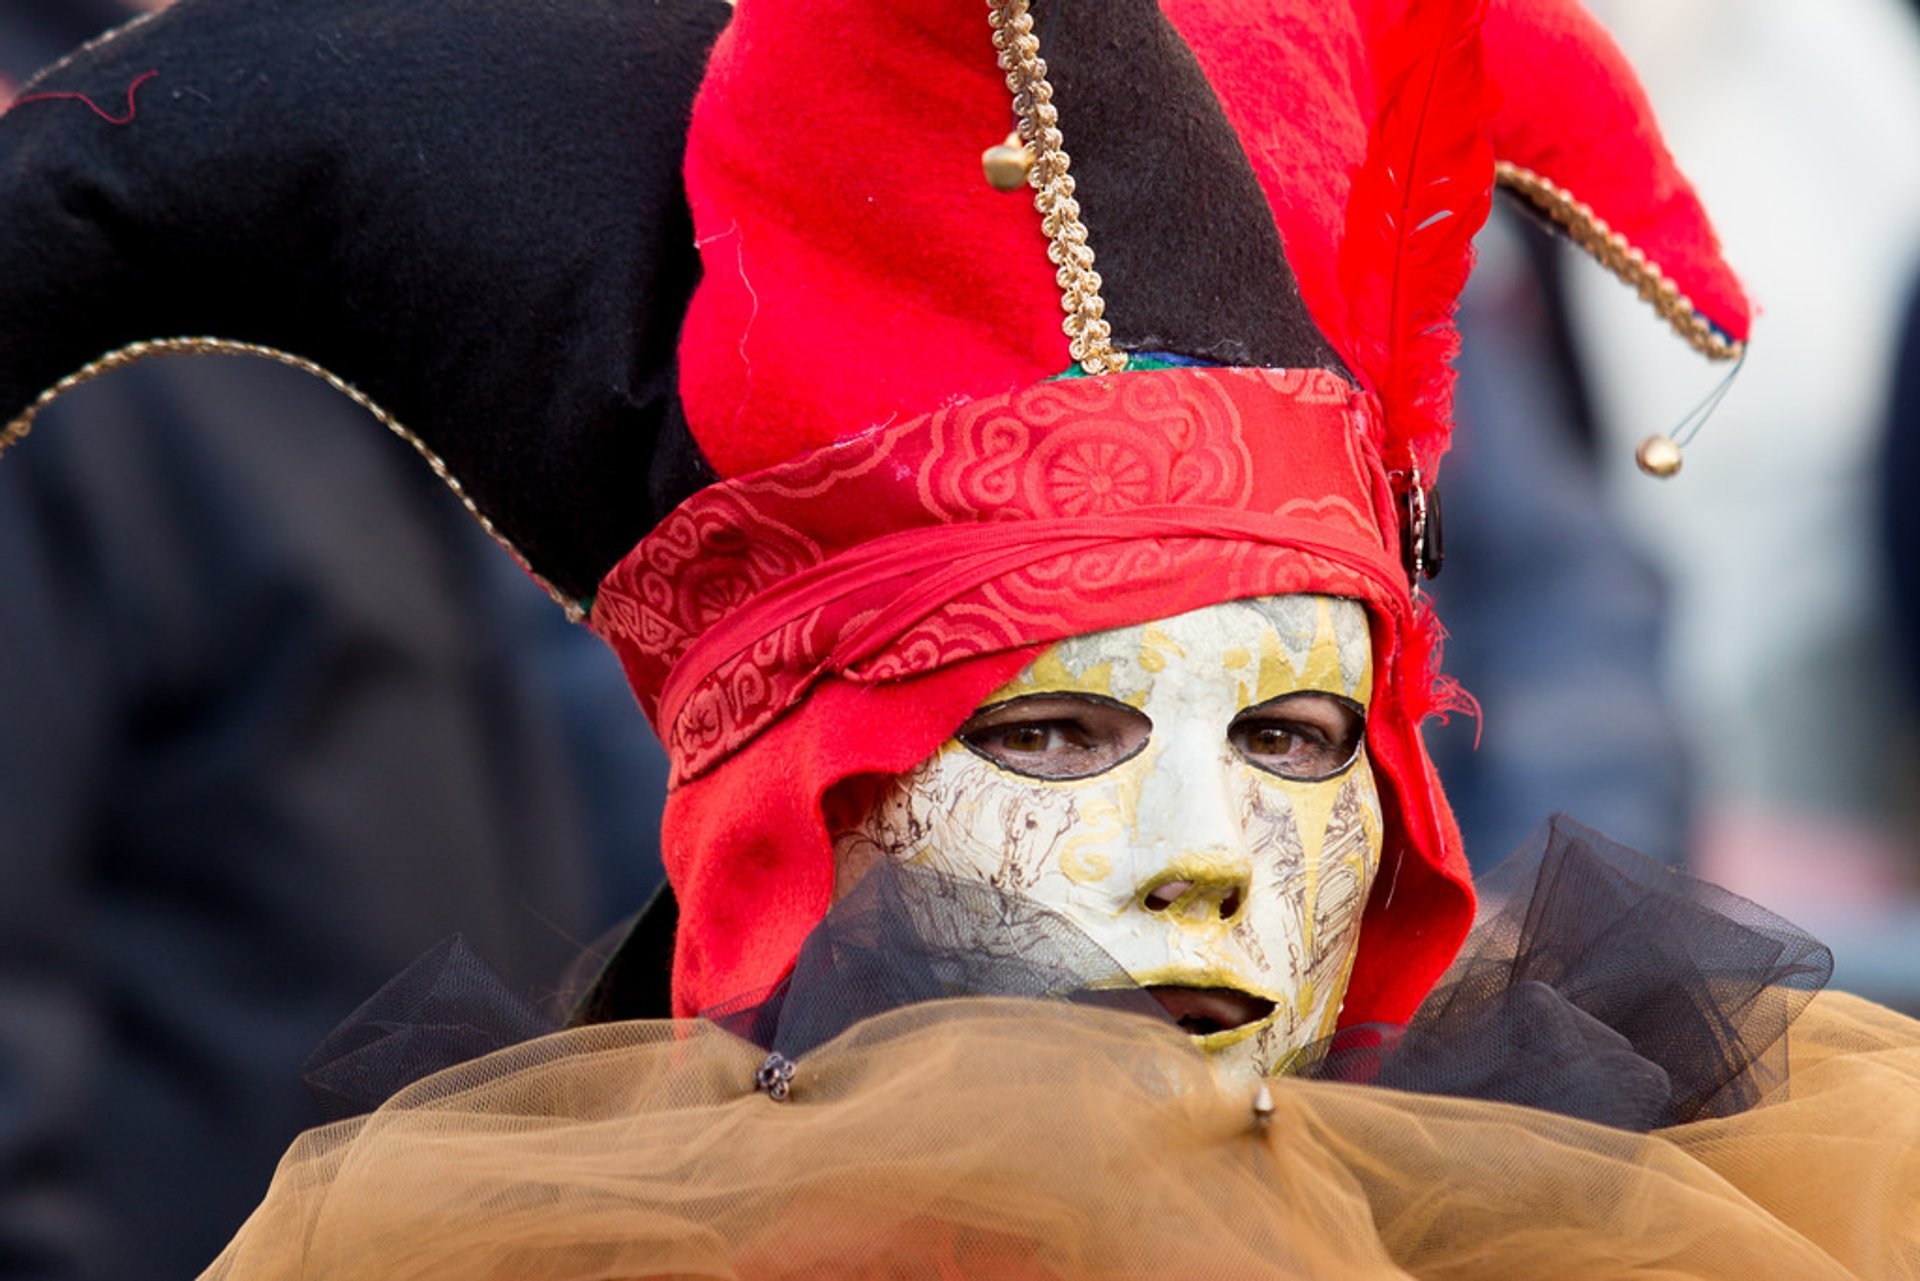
(1002,1138)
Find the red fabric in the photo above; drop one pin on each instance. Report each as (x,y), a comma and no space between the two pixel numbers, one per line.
(844,224)
(1417,203)
(869,312)
(1570,108)
(1296,82)
(842,613)
(857,267)
(1063,508)
(1575,112)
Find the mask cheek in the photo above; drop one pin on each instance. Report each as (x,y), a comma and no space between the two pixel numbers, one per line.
(1316,848)
(1099,855)
(1350,855)
(1027,830)
(1356,833)
(961,816)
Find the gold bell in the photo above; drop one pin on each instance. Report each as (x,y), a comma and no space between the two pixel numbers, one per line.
(1007,164)
(1658,456)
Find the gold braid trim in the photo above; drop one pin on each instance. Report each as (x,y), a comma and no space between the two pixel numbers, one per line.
(1612,250)
(1019,50)
(134,353)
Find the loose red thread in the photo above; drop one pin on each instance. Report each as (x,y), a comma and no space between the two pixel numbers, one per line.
(91,105)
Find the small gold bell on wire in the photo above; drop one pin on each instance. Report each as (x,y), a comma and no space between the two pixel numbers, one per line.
(1658,456)
(1007,164)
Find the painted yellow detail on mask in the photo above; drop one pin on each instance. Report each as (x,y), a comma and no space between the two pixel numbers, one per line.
(1362,693)
(1275,675)
(1104,820)
(1156,647)
(1320,668)
(1085,866)
(1050,674)
(1323,659)
(1082,858)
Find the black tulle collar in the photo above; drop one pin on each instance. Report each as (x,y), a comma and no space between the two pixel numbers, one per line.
(1599,985)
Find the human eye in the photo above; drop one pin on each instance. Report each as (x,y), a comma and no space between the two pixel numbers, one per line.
(1035,737)
(1056,736)
(1305,736)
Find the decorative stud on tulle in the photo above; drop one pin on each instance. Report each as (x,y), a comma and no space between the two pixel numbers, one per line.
(775,1078)
(1262,1106)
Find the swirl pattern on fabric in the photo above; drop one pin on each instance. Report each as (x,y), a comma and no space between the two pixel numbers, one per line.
(1008,521)
(842,612)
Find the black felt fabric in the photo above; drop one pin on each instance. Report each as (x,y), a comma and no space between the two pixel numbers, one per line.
(1187,246)
(679,470)
(470,209)
(637,980)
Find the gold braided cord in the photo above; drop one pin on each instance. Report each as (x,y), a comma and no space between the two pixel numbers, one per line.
(1625,260)
(1091,337)
(134,353)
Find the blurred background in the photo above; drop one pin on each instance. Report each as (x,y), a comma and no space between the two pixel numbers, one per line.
(278,717)
(1721,668)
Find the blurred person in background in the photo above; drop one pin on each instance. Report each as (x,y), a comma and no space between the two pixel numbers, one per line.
(1556,621)
(1899,527)
(276,717)
(1797,121)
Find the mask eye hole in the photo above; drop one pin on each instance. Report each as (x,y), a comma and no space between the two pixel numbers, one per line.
(1056,736)
(1308,736)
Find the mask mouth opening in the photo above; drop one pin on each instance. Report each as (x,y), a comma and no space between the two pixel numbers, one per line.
(1204,1011)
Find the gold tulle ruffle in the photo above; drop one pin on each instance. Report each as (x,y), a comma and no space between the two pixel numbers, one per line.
(1002,1138)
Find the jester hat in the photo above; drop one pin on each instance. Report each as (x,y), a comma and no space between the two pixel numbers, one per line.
(832,359)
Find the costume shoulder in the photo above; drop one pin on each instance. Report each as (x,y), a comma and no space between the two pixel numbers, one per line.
(469,211)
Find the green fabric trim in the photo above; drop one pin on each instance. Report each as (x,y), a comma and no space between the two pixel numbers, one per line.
(1135,364)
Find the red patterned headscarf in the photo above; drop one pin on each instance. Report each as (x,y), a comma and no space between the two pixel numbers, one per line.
(841,614)
(913,502)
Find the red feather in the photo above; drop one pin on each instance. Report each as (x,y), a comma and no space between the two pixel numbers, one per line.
(1424,190)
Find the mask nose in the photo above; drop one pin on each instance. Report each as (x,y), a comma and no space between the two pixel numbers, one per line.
(1211,886)
(1203,873)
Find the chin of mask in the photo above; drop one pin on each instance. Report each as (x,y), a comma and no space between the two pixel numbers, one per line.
(1194,794)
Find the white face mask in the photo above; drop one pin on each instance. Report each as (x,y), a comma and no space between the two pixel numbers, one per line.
(1194,794)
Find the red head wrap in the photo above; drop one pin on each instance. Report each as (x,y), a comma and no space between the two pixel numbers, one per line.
(912,509)
(842,613)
